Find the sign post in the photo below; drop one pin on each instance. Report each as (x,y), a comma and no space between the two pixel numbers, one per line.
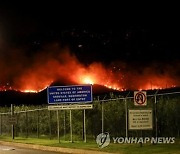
(68,98)
(58,127)
(70,116)
(140,119)
(64,125)
(84,126)
(50,133)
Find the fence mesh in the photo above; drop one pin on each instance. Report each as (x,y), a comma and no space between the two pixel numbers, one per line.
(38,121)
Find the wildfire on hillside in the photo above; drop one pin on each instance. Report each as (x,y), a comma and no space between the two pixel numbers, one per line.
(42,70)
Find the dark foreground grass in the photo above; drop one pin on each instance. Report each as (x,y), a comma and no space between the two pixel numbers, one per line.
(113,148)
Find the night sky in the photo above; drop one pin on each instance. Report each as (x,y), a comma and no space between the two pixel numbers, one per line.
(93,32)
(106,42)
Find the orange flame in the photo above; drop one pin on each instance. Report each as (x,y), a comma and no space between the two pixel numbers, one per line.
(87,80)
(62,66)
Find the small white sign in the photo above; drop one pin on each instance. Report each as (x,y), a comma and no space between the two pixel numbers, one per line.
(12,120)
(70,107)
(140,98)
(140,119)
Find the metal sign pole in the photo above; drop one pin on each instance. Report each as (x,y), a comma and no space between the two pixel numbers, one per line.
(50,133)
(12,126)
(64,125)
(58,129)
(85,126)
(70,126)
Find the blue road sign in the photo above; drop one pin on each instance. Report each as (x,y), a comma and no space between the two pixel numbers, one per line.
(69,94)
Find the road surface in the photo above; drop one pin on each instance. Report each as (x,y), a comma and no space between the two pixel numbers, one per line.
(17,150)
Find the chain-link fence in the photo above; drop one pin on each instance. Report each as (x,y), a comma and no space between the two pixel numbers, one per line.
(106,116)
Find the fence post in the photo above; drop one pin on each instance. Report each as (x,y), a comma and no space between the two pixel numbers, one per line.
(155,101)
(12,126)
(1,126)
(37,123)
(26,124)
(102,114)
(126,112)
(17,124)
(102,109)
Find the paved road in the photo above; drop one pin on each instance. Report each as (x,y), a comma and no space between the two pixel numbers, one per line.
(17,150)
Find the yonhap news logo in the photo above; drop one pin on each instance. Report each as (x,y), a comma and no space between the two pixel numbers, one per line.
(103,140)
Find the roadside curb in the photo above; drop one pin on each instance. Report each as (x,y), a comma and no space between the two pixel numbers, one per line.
(53,149)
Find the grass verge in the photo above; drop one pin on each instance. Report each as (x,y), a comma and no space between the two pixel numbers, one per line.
(91,145)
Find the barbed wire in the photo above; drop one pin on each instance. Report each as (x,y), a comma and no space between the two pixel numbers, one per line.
(107,100)
(123,98)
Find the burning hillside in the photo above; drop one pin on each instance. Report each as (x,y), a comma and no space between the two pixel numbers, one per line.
(35,73)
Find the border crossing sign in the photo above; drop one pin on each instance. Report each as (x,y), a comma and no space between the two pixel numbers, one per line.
(140,98)
(69,94)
